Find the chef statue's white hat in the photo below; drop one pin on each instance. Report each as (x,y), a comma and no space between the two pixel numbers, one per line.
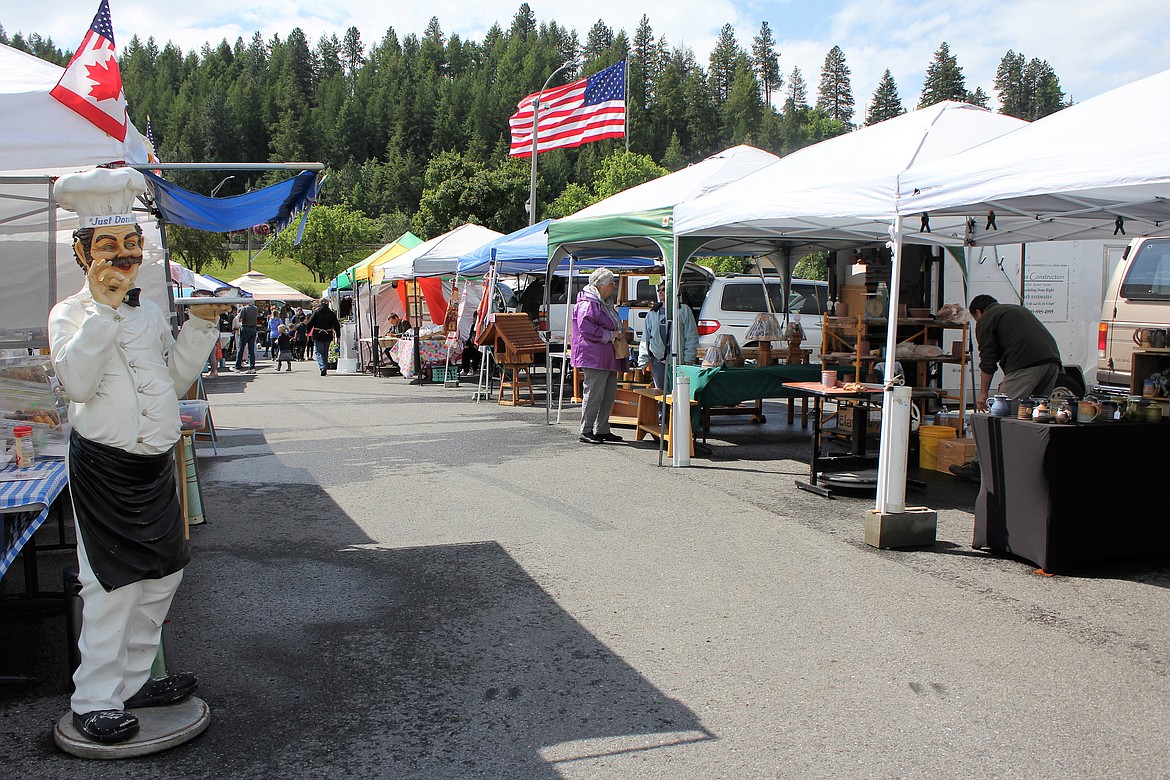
(101,197)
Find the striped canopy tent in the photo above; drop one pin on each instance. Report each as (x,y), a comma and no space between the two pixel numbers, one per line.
(361,271)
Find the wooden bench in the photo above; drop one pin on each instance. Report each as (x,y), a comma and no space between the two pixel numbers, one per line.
(648,425)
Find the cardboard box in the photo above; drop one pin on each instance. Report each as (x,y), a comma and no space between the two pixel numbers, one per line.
(954,452)
(845,420)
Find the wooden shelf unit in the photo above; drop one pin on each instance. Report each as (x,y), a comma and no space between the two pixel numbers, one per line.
(841,335)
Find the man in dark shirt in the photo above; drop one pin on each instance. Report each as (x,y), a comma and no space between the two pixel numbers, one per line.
(1011,338)
(249,319)
(323,325)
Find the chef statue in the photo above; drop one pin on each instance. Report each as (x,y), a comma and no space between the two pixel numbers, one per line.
(124,373)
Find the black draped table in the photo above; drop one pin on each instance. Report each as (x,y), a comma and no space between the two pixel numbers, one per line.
(1057,495)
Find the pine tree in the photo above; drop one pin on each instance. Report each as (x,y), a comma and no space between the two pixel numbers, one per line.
(1028,91)
(978,98)
(1009,85)
(796,96)
(352,54)
(835,94)
(944,79)
(598,41)
(742,111)
(885,104)
(722,63)
(1047,96)
(766,62)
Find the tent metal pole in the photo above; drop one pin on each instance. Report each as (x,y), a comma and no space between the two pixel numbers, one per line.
(891,482)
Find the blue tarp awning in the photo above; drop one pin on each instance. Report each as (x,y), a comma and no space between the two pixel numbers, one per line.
(277,203)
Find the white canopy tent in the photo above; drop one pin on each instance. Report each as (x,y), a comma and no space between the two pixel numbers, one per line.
(39,140)
(437,257)
(1070,175)
(265,288)
(845,190)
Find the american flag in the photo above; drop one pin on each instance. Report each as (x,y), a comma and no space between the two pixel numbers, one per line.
(92,84)
(587,110)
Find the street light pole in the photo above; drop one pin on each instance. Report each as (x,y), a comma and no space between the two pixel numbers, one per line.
(217,187)
(535,132)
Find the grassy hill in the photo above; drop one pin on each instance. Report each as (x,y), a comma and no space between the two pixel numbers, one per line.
(288,271)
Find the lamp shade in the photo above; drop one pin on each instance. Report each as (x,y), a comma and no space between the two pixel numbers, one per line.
(765,327)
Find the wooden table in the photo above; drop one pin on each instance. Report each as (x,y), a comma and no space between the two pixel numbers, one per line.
(819,462)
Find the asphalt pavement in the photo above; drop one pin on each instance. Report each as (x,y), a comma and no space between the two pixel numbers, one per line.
(395,581)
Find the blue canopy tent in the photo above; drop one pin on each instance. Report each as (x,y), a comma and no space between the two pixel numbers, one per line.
(525,251)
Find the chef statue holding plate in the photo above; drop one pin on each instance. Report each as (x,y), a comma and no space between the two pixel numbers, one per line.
(124,373)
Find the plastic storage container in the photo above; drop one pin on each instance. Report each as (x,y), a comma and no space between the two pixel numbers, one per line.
(193,415)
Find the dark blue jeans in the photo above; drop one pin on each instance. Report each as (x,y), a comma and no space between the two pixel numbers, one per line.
(247,338)
(321,347)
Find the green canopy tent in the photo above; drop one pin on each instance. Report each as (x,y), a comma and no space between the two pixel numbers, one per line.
(639,222)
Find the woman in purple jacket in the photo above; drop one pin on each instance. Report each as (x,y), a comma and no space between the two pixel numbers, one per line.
(596,326)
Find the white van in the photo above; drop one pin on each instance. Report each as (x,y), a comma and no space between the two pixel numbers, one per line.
(638,295)
(1138,296)
(733,302)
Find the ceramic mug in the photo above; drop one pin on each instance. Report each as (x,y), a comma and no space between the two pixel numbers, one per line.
(1109,411)
(1088,411)
(1153,413)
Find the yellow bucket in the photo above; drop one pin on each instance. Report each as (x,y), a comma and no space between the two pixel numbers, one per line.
(928,438)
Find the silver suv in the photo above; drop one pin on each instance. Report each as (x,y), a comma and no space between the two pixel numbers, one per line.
(733,302)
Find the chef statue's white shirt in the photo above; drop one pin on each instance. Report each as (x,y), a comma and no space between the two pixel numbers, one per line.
(123,370)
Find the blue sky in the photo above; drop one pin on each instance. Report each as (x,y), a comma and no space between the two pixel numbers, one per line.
(1092,45)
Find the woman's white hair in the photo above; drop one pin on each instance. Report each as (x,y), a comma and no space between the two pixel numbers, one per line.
(601,276)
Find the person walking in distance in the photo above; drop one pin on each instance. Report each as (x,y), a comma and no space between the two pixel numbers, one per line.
(249,319)
(324,325)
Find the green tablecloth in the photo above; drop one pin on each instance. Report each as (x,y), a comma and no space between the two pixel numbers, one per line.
(725,385)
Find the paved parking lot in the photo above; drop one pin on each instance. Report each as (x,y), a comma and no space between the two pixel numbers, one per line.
(395,581)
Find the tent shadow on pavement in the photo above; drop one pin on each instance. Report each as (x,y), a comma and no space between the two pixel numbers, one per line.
(322,655)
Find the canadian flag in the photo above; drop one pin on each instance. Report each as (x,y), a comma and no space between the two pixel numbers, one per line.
(91,84)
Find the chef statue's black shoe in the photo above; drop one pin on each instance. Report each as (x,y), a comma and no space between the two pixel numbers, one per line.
(106,726)
(160,691)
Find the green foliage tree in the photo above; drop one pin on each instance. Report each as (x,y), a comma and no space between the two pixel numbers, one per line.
(721,266)
(944,79)
(458,190)
(814,265)
(571,200)
(198,249)
(335,237)
(766,62)
(623,170)
(835,93)
(885,104)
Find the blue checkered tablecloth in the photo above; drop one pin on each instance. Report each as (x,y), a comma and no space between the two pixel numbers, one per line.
(19,516)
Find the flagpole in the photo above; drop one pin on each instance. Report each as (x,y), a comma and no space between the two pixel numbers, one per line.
(626,131)
(535,126)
